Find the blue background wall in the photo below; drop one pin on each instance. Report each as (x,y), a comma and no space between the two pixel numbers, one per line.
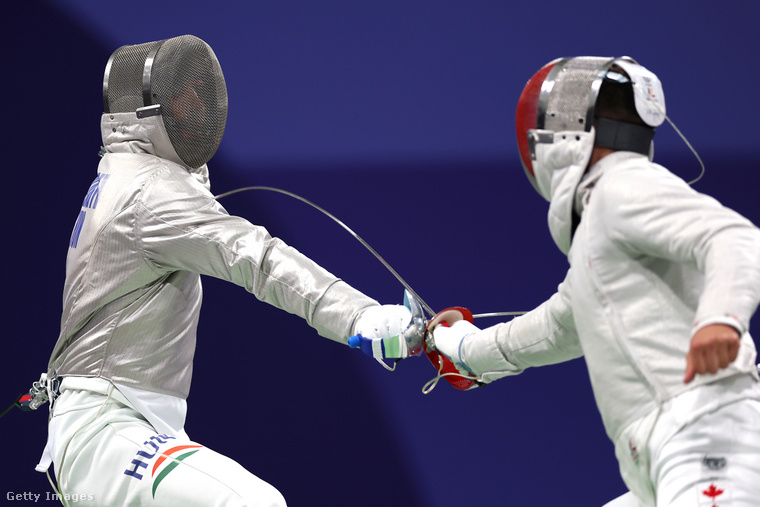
(397,117)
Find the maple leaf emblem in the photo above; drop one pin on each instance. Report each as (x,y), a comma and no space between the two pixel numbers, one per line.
(712,491)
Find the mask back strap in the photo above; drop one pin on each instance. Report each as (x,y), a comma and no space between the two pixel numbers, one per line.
(624,136)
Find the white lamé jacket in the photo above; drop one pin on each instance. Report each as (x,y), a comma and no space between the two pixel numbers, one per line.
(651,262)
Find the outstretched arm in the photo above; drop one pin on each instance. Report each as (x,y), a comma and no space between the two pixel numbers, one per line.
(545,335)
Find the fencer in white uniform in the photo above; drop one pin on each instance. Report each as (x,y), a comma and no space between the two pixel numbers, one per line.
(662,284)
(148,228)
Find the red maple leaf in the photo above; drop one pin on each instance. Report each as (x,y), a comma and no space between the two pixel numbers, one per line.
(712,491)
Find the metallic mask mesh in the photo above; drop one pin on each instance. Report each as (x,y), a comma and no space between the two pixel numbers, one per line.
(122,85)
(570,92)
(184,77)
(187,81)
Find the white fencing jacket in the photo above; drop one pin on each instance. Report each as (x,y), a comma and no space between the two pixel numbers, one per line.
(651,262)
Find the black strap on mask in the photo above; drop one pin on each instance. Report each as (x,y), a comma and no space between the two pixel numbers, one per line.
(623,136)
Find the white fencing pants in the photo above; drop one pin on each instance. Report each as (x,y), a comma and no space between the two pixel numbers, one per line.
(712,462)
(106,454)
(715,461)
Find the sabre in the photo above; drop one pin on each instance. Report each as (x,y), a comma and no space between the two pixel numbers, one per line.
(418,334)
(366,245)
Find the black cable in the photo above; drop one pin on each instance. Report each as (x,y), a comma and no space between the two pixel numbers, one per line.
(14,404)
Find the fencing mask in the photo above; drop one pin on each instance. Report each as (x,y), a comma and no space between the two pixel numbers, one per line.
(178,79)
(562,97)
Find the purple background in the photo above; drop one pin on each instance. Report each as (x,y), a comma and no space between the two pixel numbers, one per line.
(398,118)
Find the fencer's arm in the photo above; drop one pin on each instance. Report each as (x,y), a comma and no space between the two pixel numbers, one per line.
(670,220)
(731,263)
(545,335)
(203,238)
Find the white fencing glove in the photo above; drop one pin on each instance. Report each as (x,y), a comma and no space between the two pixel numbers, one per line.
(379,332)
(448,341)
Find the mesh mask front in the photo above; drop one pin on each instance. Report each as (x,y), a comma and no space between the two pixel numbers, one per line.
(569,94)
(180,79)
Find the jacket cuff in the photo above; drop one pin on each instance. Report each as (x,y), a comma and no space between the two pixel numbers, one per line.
(481,353)
(727,319)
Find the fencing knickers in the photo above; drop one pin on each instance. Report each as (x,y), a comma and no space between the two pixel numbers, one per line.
(106,453)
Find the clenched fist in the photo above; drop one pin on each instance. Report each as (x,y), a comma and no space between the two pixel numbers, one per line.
(712,348)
